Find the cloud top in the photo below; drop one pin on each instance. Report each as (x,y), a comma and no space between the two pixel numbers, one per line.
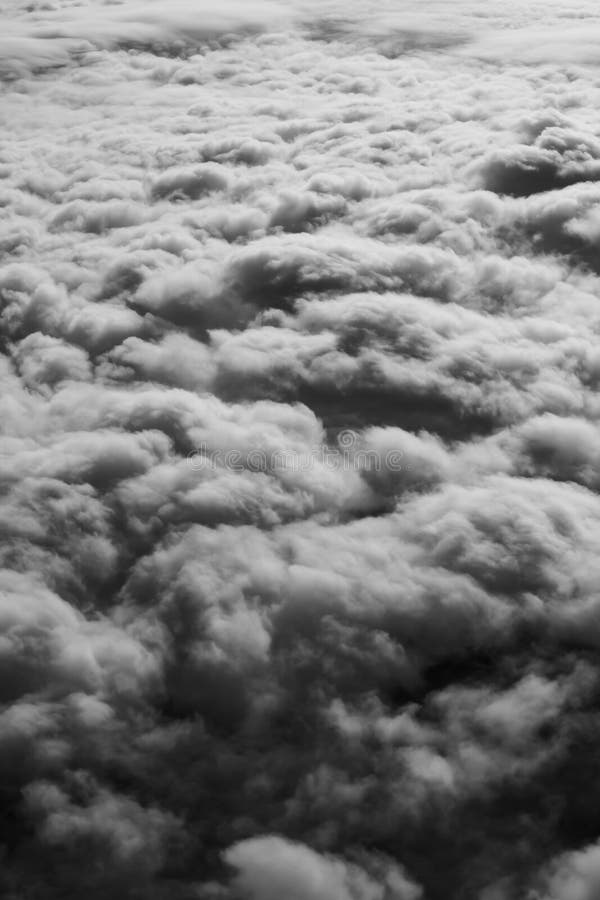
(299,451)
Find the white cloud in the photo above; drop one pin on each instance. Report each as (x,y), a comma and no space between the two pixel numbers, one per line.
(300,454)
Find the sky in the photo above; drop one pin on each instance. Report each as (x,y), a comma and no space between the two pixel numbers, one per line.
(300,450)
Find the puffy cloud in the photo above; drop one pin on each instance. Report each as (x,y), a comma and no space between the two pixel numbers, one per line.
(50,40)
(269,867)
(575,876)
(299,451)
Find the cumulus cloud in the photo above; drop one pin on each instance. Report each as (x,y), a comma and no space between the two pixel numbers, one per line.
(52,35)
(269,867)
(299,451)
(575,875)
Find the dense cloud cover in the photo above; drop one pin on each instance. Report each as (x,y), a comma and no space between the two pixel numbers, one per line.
(300,472)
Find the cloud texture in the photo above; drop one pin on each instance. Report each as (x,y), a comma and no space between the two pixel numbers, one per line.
(300,451)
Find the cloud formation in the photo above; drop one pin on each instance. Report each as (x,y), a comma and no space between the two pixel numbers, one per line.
(300,451)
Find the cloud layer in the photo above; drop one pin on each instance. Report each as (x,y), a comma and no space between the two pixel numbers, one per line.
(300,441)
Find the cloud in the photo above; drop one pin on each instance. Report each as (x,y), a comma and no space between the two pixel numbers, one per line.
(52,40)
(299,451)
(269,867)
(576,875)
(575,44)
